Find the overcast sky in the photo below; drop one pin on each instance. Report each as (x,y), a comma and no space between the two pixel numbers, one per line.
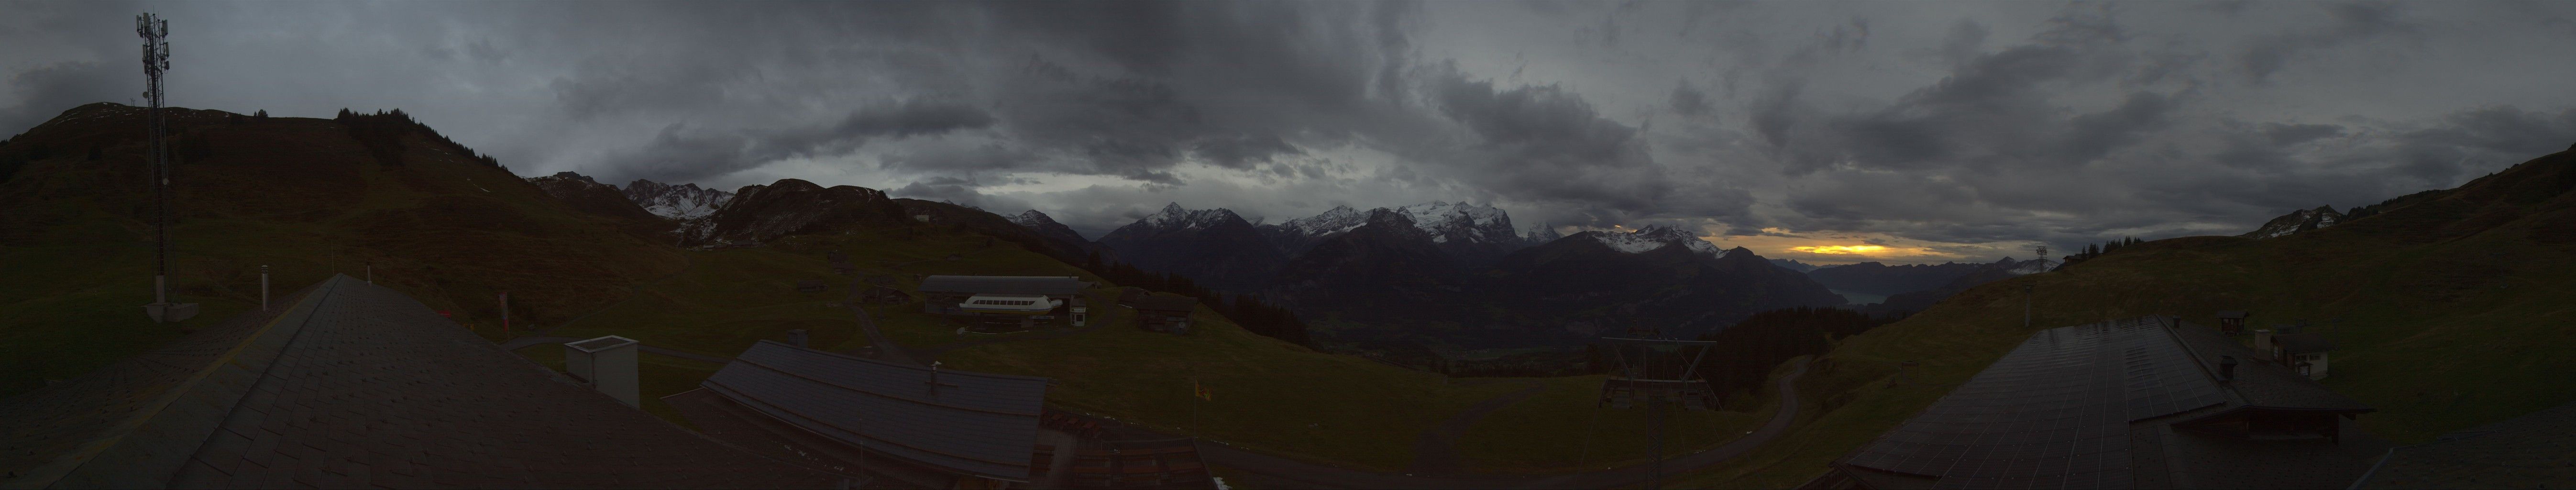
(1941,130)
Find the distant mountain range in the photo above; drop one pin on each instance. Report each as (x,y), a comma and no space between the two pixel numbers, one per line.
(1214,247)
(1461,274)
(1881,279)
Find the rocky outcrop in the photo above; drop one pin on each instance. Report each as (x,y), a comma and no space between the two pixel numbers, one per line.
(684,201)
(1046,226)
(589,196)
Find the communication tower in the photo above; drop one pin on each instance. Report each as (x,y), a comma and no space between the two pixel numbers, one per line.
(156,59)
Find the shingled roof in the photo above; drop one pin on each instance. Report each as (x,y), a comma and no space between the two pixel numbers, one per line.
(353,386)
(2096,405)
(1046,285)
(971,423)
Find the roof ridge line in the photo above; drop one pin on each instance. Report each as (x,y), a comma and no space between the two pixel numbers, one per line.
(63,467)
(2228,385)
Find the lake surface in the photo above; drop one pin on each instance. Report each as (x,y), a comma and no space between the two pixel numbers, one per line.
(1861,298)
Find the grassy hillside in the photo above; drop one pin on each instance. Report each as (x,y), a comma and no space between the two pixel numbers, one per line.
(311,197)
(1267,394)
(300,195)
(2448,311)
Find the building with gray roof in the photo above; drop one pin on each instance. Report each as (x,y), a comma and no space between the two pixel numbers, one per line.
(355,386)
(941,295)
(2536,450)
(2146,402)
(971,424)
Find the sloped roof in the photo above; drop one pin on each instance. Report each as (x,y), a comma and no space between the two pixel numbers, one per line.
(2237,314)
(2536,450)
(2261,382)
(359,386)
(2064,410)
(1047,285)
(2056,408)
(972,423)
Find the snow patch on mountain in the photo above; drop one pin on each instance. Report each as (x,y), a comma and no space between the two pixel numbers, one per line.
(2297,221)
(1030,219)
(684,201)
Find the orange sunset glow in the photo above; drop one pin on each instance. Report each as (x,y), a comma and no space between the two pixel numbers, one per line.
(1842,249)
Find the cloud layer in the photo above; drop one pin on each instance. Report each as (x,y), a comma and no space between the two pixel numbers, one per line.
(1962,129)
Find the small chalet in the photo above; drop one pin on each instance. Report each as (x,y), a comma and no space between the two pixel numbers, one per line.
(2303,352)
(1160,312)
(811,286)
(2231,322)
(2148,402)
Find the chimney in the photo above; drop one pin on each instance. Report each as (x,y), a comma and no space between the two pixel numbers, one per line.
(606,364)
(2263,341)
(2226,368)
(796,337)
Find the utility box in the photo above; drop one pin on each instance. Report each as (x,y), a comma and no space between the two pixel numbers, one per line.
(1081,315)
(606,364)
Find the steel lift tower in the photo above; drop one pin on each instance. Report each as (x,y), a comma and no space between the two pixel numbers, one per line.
(1642,381)
(156,59)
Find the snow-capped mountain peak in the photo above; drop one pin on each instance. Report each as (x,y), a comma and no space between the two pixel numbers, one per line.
(1461,221)
(1336,220)
(1656,237)
(1173,215)
(684,201)
(1031,218)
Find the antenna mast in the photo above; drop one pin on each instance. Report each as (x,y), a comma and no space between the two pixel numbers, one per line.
(156,59)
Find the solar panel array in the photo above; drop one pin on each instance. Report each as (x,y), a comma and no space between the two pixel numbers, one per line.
(2053,413)
(973,423)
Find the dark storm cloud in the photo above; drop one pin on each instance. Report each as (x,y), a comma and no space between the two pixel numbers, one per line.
(684,154)
(2291,134)
(1993,110)
(2486,138)
(2353,21)
(45,88)
(1689,101)
(1544,143)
